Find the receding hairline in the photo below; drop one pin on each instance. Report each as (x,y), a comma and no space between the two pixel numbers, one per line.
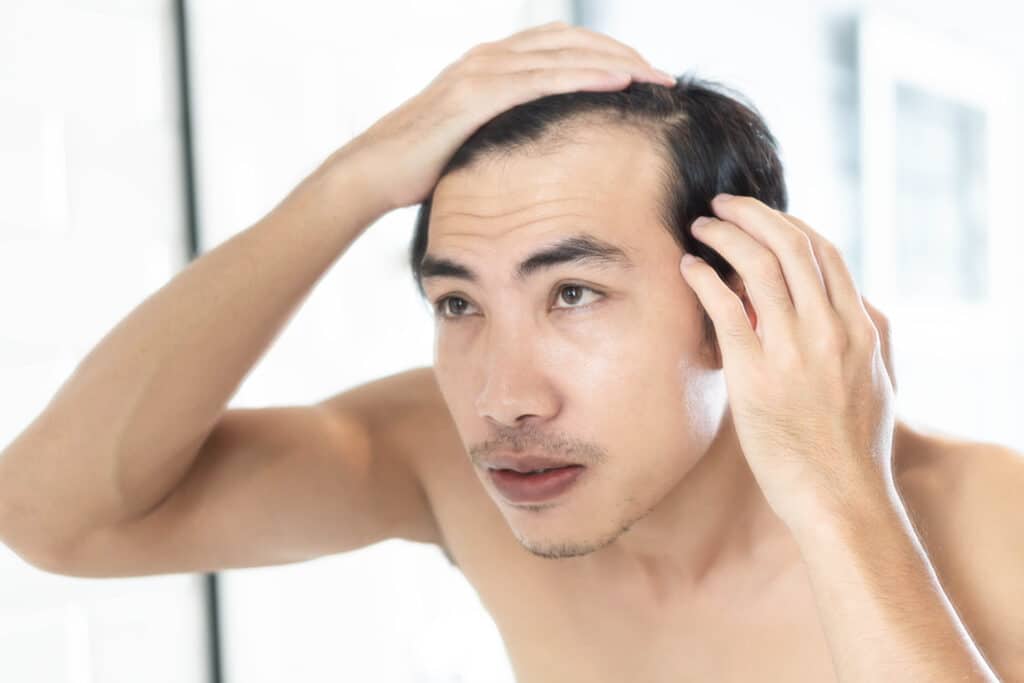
(565,132)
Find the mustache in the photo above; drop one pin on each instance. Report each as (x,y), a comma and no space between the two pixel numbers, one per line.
(540,442)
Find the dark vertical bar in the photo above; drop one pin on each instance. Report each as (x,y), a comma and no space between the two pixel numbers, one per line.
(185,115)
(211,584)
(210,581)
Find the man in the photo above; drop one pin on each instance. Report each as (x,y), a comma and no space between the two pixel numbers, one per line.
(726,500)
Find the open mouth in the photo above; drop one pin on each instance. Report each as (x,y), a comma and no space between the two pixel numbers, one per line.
(536,485)
(549,469)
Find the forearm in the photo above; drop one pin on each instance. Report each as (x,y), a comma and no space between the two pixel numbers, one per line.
(124,428)
(883,610)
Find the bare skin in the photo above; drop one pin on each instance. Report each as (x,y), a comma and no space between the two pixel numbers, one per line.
(751,613)
(692,562)
(706,584)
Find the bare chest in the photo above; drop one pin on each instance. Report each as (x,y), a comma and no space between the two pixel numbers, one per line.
(559,628)
(605,642)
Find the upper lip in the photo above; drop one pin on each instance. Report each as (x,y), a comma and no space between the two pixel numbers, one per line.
(526,463)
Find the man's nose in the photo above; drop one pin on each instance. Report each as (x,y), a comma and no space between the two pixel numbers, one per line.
(515,386)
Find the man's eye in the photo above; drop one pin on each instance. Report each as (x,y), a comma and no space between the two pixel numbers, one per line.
(452,306)
(575,296)
(455,310)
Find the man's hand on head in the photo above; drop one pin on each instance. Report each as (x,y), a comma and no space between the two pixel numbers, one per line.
(406,150)
(877,317)
(808,386)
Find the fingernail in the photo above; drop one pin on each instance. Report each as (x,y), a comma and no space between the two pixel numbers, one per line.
(688,259)
(723,197)
(666,75)
(700,221)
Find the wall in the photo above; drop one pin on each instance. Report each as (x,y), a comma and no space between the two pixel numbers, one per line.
(90,224)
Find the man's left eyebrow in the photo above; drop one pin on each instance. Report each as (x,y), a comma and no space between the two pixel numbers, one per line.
(578,248)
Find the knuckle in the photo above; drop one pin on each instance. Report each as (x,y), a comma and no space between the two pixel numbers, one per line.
(461,89)
(477,50)
(832,340)
(868,335)
(881,324)
(789,359)
(830,252)
(799,242)
(557,26)
(537,80)
(879,318)
(636,54)
(469,64)
(766,267)
(866,330)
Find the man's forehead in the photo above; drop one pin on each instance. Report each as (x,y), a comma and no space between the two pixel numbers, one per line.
(602,172)
(520,221)
(588,202)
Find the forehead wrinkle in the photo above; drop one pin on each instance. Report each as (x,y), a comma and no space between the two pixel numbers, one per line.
(450,233)
(445,213)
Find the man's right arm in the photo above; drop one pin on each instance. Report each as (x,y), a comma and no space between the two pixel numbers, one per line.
(126,426)
(277,485)
(137,441)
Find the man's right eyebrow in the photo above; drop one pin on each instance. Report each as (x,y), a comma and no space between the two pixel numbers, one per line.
(438,266)
(578,248)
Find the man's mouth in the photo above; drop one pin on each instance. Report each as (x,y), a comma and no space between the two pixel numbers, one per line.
(533,486)
(528,464)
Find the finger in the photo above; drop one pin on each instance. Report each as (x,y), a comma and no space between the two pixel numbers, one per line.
(559,34)
(565,58)
(816,244)
(541,82)
(760,271)
(791,247)
(567,37)
(736,337)
(842,289)
(885,338)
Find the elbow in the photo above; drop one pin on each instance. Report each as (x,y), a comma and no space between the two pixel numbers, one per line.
(33,550)
(46,559)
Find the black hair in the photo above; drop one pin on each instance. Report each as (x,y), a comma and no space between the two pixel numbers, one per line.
(713,139)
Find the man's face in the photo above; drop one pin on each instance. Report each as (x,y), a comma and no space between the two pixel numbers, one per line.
(595,361)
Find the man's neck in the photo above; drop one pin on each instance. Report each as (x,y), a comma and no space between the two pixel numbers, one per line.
(714,525)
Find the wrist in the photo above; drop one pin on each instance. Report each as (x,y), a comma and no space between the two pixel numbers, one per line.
(841,518)
(332,206)
(348,171)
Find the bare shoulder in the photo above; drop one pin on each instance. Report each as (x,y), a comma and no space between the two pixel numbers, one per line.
(409,424)
(965,500)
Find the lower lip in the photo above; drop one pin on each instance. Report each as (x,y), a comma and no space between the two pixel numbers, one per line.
(533,488)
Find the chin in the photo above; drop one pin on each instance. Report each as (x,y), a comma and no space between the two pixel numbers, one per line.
(545,545)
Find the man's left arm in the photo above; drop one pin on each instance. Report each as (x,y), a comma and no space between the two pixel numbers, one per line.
(885,613)
(814,407)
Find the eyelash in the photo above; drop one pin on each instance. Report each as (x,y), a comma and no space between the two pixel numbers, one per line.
(440,304)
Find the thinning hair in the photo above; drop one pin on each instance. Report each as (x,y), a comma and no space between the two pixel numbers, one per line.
(712,139)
